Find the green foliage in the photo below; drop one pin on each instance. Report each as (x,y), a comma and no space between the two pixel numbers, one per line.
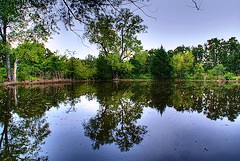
(77,69)
(109,66)
(35,62)
(233,59)
(30,52)
(160,64)
(55,66)
(198,53)
(198,71)
(2,74)
(140,65)
(104,71)
(27,20)
(228,76)
(115,35)
(182,63)
(218,70)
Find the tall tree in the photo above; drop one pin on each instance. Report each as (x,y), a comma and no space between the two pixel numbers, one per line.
(140,62)
(160,64)
(198,53)
(182,63)
(116,35)
(215,53)
(233,55)
(20,20)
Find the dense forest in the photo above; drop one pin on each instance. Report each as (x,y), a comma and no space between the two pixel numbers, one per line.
(113,28)
(216,59)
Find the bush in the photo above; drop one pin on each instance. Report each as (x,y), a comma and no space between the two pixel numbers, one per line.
(228,76)
(188,76)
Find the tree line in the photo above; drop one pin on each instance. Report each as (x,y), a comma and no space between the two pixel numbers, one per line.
(216,59)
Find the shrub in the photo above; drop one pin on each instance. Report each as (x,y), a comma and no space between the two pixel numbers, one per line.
(228,76)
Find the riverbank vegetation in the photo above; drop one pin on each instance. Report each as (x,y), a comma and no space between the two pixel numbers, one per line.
(217,59)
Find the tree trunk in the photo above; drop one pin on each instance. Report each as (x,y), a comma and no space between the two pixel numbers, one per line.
(15,100)
(115,75)
(7,116)
(4,41)
(14,79)
(8,67)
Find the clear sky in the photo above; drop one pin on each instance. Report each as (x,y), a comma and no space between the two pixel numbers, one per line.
(176,24)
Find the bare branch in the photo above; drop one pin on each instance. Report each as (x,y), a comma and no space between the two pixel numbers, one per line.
(79,36)
(113,6)
(71,12)
(141,8)
(197,5)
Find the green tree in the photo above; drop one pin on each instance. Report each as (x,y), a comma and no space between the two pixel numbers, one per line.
(34,61)
(198,71)
(218,71)
(140,64)
(181,49)
(182,64)
(90,62)
(78,69)
(30,56)
(160,63)
(20,20)
(104,70)
(233,55)
(198,53)
(215,53)
(116,37)
(55,66)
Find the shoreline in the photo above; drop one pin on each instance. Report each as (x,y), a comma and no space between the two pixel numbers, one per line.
(51,81)
(62,81)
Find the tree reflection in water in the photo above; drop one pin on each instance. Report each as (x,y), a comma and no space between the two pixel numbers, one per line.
(24,126)
(22,131)
(116,121)
(213,100)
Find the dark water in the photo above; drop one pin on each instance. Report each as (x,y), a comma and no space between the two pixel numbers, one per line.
(137,121)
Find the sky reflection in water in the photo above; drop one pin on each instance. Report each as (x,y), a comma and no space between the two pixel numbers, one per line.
(127,122)
(171,136)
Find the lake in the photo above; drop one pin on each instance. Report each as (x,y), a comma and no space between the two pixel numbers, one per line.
(125,121)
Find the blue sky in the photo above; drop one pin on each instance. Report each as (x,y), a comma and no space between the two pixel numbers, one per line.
(176,24)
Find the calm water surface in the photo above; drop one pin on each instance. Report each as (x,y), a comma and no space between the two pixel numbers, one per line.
(136,121)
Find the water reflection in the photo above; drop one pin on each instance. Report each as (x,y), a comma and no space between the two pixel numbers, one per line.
(24,127)
(23,131)
(214,100)
(116,120)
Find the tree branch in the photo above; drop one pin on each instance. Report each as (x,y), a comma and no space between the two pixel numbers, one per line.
(71,12)
(141,8)
(197,5)
(1,33)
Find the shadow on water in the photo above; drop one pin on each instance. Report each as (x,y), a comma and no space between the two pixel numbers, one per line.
(24,126)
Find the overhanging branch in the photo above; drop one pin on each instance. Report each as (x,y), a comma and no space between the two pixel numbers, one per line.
(196,4)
